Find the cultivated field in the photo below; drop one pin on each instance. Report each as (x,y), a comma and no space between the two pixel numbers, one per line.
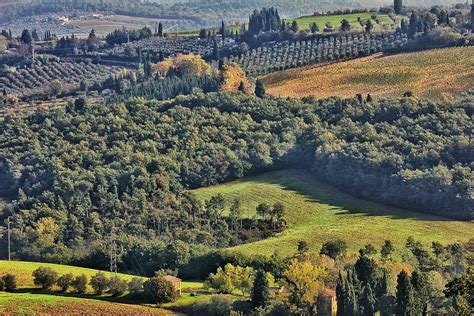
(49,304)
(436,74)
(317,213)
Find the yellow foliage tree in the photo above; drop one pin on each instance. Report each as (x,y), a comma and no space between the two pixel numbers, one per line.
(188,65)
(234,78)
(47,230)
(231,278)
(306,281)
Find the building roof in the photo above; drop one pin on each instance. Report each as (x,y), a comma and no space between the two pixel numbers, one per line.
(171,278)
(328,292)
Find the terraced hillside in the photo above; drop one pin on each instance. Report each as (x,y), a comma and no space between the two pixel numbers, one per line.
(316,213)
(435,74)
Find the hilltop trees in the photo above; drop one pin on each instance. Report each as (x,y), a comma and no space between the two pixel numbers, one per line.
(263,21)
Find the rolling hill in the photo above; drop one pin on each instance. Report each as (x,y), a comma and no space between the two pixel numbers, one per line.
(316,213)
(434,74)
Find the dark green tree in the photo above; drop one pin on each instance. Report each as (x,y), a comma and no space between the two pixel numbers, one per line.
(405,295)
(314,28)
(422,293)
(160,29)
(369,26)
(294,26)
(259,89)
(387,250)
(45,277)
(413,25)
(367,301)
(260,290)
(397,6)
(334,249)
(345,26)
(26,37)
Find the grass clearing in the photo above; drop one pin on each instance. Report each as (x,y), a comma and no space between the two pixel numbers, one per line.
(439,75)
(316,212)
(386,23)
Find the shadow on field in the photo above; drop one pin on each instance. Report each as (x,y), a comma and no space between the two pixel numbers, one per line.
(301,181)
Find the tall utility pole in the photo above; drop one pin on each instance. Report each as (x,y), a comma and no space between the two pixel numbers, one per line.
(113,251)
(9,238)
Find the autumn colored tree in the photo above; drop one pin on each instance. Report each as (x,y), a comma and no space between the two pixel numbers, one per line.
(234,79)
(305,281)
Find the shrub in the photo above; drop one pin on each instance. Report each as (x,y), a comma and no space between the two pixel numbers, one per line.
(65,281)
(216,305)
(117,286)
(45,277)
(9,282)
(135,287)
(2,285)
(80,284)
(158,290)
(100,282)
(334,249)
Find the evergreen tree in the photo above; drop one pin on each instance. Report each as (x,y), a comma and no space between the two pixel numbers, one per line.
(241,87)
(35,36)
(472,17)
(367,301)
(259,89)
(202,34)
(223,30)
(160,29)
(345,26)
(314,28)
(397,6)
(351,286)
(422,291)
(260,290)
(294,26)
(387,248)
(369,26)
(403,26)
(215,51)
(26,37)
(405,295)
(341,295)
(412,26)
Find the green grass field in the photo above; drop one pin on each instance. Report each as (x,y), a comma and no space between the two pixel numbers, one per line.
(316,213)
(30,299)
(23,271)
(386,23)
(304,23)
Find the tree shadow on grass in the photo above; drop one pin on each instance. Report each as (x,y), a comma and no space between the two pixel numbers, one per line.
(303,182)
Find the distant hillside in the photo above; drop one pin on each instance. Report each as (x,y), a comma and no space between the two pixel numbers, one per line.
(435,74)
(203,12)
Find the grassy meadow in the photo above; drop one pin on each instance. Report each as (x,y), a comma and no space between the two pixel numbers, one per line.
(304,22)
(23,271)
(316,213)
(435,74)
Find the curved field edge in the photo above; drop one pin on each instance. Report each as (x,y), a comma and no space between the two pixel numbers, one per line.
(316,213)
(438,74)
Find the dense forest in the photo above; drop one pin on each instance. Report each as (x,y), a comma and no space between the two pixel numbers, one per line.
(77,174)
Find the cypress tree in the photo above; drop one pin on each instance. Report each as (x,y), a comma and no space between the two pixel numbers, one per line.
(26,37)
(397,6)
(160,29)
(413,25)
(420,287)
(405,295)
(472,17)
(259,89)
(260,291)
(368,301)
(223,30)
(341,295)
(215,51)
(242,87)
